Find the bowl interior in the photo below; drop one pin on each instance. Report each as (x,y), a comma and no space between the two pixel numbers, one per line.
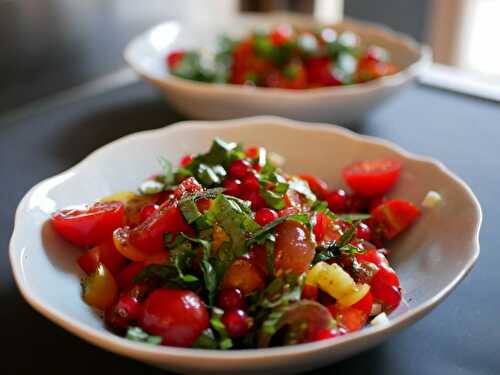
(430,258)
(147,52)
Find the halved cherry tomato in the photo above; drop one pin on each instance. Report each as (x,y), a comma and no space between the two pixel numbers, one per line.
(365,304)
(349,318)
(294,249)
(372,177)
(104,253)
(318,186)
(174,58)
(124,247)
(187,186)
(373,256)
(244,275)
(178,316)
(88,226)
(100,289)
(310,292)
(384,292)
(393,217)
(126,276)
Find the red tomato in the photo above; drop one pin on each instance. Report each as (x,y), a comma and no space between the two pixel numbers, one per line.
(320,226)
(174,58)
(231,298)
(237,322)
(387,275)
(148,210)
(337,201)
(281,34)
(100,289)
(294,250)
(265,216)
(258,257)
(319,72)
(187,186)
(148,237)
(310,292)
(123,313)
(393,217)
(318,186)
(373,256)
(126,276)
(243,274)
(348,318)
(387,294)
(365,304)
(178,316)
(371,178)
(88,226)
(186,160)
(104,253)
(327,333)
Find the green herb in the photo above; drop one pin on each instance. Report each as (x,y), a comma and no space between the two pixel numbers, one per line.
(336,248)
(353,217)
(303,218)
(273,199)
(168,275)
(302,187)
(225,341)
(168,171)
(206,340)
(137,334)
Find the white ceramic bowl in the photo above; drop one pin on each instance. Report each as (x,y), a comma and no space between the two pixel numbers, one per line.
(431,258)
(343,105)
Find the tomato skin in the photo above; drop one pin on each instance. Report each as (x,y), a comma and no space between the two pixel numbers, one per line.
(373,256)
(281,34)
(365,304)
(371,178)
(318,186)
(388,295)
(319,72)
(88,226)
(393,217)
(387,275)
(310,292)
(100,289)
(231,298)
(126,276)
(327,333)
(294,250)
(178,316)
(265,216)
(104,253)
(187,186)
(337,201)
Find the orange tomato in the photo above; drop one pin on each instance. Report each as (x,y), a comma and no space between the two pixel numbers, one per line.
(100,289)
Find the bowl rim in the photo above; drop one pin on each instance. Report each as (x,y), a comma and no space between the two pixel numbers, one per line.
(117,344)
(423,52)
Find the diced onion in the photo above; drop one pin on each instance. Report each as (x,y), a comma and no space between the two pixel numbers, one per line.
(380,319)
(376,309)
(432,199)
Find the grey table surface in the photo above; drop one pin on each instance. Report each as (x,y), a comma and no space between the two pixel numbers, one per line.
(461,336)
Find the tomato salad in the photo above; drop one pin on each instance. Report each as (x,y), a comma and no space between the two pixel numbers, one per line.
(229,251)
(286,57)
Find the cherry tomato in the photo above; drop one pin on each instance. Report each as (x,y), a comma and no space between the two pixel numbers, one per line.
(337,201)
(187,186)
(393,217)
(387,294)
(237,322)
(104,253)
(178,316)
(125,248)
(123,313)
(327,333)
(363,232)
(174,58)
(387,275)
(250,182)
(148,210)
(318,186)
(231,298)
(88,226)
(233,187)
(281,34)
(319,72)
(349,318)
(186,160)
(252,152)
(244,275)
(372,177)
(254,198)
(265,216)
(100,289)
(239,168)
(148,237)
(294,250)
(258,257)
(309,292)
(373,256)
(126,276)
(365,304)
(320,226)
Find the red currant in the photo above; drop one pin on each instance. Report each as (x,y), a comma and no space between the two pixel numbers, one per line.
(231,298)
(327,333)
(250,182)
(363,232)
(254,198)
(337,201)
(237,322)
(265,216)
(186,160)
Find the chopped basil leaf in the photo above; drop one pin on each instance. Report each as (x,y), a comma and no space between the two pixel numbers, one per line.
(302,187)
(272,199)
(168,171)
(151,187)
(206,340)
(303,218)
(225,341)
(137,334)
(353,217)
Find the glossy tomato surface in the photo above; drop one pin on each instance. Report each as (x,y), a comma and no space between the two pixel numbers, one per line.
(177,316)
(393,217)
(88,226)
(372,177)
(294,249)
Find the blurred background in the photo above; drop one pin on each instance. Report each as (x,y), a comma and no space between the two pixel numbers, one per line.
(48,46)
